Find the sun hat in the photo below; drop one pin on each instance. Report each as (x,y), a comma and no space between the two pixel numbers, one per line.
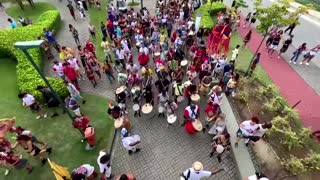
(197,166)
(120,89)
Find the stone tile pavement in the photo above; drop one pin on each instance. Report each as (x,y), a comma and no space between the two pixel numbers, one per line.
(166,151)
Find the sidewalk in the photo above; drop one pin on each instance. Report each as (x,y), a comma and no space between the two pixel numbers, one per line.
(290,84)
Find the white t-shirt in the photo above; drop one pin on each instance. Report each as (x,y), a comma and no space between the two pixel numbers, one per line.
(102,167)
(248,128)
(132,68)
(90,169)
(162,98)
(28,100)
(130,140)
(196,175)
(74,63)
(260,132)
(190,23)
(59,69)
(235,52)
(120,54)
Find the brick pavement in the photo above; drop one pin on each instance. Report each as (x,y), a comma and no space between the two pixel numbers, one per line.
(166,151)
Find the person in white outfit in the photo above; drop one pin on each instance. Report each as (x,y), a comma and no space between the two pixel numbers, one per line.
(103,161)
(130,142)
(197,172)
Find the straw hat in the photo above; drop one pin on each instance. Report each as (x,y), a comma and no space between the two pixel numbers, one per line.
(120,89)
(197,166)
(197,125)
(118,123)
(195,97)
(184,62)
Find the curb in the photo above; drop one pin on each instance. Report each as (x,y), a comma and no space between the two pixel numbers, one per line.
(313,13)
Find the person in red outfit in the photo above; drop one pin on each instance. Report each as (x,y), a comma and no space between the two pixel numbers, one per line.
(71,74)
(82,122)
(143,59)
(191,113)
(91,48)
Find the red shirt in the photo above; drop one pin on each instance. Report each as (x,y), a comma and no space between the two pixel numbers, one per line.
(143,59)
(90,47)
(210,108)
(70,72)
(82,122)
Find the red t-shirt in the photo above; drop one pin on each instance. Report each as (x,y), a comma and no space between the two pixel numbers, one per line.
(90,47)
(143,59)
(210,108)
(83,123)
(70,72)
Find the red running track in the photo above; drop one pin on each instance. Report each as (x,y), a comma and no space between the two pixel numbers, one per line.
(288,81)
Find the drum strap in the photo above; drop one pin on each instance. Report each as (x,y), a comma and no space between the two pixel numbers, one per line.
(193,113)
(179,90)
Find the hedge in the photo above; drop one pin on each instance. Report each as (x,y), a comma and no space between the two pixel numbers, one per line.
(27,77)
(208,17)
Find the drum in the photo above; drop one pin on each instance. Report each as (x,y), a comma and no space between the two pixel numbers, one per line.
(134,89)
(172,118)
(146,108)
(189,128)
(157,54)
(180,99)
(127,123)
(197,125)
(118,122)
(219,149)
(195,97)
(161,109)
(136,107)
(122,105)
(184,63)
(138,44)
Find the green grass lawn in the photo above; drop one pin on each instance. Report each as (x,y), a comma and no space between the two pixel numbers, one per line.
(57,132)
(96,16)
(32,13)
(314,3)
(243,61)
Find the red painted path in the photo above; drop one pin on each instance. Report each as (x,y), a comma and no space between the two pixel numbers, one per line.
(290,84)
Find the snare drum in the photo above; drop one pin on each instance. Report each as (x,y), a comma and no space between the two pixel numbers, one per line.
(197,125)
(161,109)
(195,97)
(172,118)
(122,105)
(118,123)
(134,89)
(146,108)
(184,63)
(136,107)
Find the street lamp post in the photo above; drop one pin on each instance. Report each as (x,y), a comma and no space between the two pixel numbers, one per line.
(24,46)
(141,2)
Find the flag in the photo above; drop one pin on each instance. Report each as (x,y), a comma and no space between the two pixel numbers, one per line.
(60,172)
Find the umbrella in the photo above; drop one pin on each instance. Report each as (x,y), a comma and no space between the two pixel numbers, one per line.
(60,172)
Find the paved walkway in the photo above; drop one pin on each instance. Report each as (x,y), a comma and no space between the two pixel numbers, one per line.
(165,151)
(290,84)
(4,24)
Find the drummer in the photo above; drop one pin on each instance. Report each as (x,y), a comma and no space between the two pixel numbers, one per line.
(189,91)
(171,108)
(172,66)
(178,74)
(122,79)
(205,84)
(148,94)
(221,143)
(191,73)
(134,79)
(146,76)
(136,96)
(178,89)
(212,110)
(163,99)
(191,113)
(114,110)
(121,97)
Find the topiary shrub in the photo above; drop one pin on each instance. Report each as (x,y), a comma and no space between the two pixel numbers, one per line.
(27,77)
(208,19)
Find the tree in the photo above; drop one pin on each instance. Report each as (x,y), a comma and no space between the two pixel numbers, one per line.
(240,3)
(275,15)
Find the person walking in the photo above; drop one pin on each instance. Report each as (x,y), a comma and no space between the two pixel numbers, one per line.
(107,68)
(285,45)
(298,52)
(58,69)
(75,34)
(248,17)
(71,10)
(103,29)
(104,163)
(196,172)
(247,39)
(247,128)
(85,171)
(310,55)
(92,31)
(290,28)
(13,24)
(71,74)
(130,142)
(254,63)
(74,92)
(275,42)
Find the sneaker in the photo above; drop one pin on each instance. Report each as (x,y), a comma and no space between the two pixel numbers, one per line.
(247,144)
(38,117)
(7,172)
(211,154)
(129,152)
(45,115)
(307,64)
(49,150)
(290,62)
(138,150)
(84,101)
(294,63)
(301,63)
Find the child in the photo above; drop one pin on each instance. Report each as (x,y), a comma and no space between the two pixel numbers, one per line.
(90,76)
(235,54)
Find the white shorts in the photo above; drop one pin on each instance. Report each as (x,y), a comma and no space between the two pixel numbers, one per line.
(273,46)
(77,112)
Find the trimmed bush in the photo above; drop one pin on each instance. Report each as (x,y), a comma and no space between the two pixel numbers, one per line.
(27,77)
(208,17)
